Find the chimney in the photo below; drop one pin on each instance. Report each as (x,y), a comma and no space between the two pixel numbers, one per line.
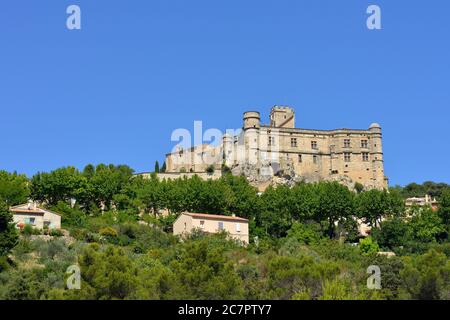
(233,215)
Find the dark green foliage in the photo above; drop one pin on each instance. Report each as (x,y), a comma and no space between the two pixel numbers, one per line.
(427,277)
(121,229)
(359,187)
(8,233)
(308,233)
(426,225)
(392,234)
(419,190)
(13,188)
(444,207)
(29,230)
(374,204)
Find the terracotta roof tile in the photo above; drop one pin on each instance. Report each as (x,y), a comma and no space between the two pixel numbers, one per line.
(215,216)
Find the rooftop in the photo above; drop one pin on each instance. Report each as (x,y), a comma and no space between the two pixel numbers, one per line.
(214,216)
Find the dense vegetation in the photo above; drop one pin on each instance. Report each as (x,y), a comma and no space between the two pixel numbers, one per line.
(304,240)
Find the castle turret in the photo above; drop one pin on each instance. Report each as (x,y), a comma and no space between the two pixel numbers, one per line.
(228,155)
(252,120)
(252,124)
(282,117)
(376,151)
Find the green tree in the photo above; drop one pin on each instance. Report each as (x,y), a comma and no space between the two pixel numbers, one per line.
(151,195)
(275,218)
(13,188)
(427,277)
(8,233)
(426,224)
(392,233)
(374,204)
(157,166)
(335,203)
(204,271)
(110,274)
(295,277)
(309,233)
(444,207)
(108,181)
(61,184)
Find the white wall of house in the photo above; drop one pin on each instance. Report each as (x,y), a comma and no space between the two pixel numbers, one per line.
(38,220)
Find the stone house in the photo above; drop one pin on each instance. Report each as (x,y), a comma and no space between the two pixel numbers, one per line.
(236,227)
(31,214)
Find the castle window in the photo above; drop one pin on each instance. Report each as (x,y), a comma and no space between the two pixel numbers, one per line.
(365,156)
(314,145)
(271,141)
(294,142)
(347,156)
(346,143)
(315,159)
(299,158)
(364,144)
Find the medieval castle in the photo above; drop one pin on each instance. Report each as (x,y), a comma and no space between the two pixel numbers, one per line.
(279,150)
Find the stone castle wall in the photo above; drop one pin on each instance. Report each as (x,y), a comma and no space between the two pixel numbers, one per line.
(279,149)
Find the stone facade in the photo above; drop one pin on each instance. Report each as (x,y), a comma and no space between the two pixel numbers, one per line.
(279,150)
(35,216)
(236,227)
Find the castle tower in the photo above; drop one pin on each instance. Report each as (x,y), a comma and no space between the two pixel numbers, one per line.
(282,117)
(252,124)
(228,154)
(252,120)
(376,151)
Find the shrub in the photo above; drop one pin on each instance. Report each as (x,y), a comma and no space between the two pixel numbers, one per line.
(28,230)
(368,246)
(305,233)
(108,232)
(56,233)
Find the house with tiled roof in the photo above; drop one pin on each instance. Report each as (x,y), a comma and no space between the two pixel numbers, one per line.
(236,227)
(31,214)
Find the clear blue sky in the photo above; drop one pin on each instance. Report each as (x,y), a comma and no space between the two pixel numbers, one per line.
(114,91)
